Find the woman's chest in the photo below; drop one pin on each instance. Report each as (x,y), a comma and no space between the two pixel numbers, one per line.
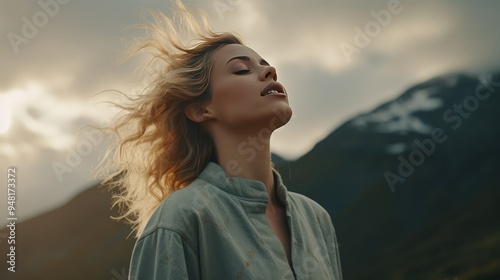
(252,247)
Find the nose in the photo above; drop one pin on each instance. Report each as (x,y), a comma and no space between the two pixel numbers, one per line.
(267,72)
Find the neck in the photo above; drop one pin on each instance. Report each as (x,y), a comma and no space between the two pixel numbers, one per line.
(246,155)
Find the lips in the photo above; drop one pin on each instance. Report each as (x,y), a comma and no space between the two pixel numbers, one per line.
(273,88)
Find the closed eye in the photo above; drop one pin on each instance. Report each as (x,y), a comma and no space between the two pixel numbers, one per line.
(242,72)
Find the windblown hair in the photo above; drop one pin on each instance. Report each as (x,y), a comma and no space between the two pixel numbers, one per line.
(158,149)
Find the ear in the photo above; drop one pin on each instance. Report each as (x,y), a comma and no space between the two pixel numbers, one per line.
(198,113)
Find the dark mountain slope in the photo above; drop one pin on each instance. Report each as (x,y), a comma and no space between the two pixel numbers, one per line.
(456,170)
(75,241)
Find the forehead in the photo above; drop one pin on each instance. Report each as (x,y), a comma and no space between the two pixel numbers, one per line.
(225,53)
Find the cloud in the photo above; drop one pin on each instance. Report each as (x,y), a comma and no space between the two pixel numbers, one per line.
(37,118)
(424,40)
(73,57)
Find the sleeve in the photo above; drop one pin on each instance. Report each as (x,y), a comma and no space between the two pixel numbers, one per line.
(333,246)
(163,254)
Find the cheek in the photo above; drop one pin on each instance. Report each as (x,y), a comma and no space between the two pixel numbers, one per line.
(220,102)
(231,96)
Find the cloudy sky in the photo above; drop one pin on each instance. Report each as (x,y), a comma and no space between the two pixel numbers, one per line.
(336,58)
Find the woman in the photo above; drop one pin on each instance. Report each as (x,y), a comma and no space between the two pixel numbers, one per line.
(196,177)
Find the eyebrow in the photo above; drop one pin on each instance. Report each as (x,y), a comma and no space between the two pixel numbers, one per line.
(246,58)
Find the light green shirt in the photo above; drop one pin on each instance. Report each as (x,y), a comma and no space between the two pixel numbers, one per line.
(216,228)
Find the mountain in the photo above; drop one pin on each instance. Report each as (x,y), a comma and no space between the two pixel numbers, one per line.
(412,187)
(75,241)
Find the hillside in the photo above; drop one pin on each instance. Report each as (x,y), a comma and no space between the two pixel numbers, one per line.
(396,205)
(75,241)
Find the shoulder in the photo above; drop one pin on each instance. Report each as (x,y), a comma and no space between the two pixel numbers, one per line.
(181,210)
(313,220)
(312,210)
(304,203)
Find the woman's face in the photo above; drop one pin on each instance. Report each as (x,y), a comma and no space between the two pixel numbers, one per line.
(245,91)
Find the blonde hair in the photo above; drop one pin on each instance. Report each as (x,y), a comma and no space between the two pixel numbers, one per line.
(158,149)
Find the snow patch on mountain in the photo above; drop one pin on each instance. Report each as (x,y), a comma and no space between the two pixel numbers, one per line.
(398,115)
(395,149)
(451,80)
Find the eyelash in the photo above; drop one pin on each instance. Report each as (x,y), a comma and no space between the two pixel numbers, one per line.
(242,72)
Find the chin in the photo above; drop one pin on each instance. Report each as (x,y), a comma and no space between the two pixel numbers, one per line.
(281,115)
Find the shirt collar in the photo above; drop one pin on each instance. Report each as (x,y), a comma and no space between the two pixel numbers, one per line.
(241,187)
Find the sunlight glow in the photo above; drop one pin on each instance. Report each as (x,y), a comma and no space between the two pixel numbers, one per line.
(34,117)
(9,103)
(36,112)
(5,116)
